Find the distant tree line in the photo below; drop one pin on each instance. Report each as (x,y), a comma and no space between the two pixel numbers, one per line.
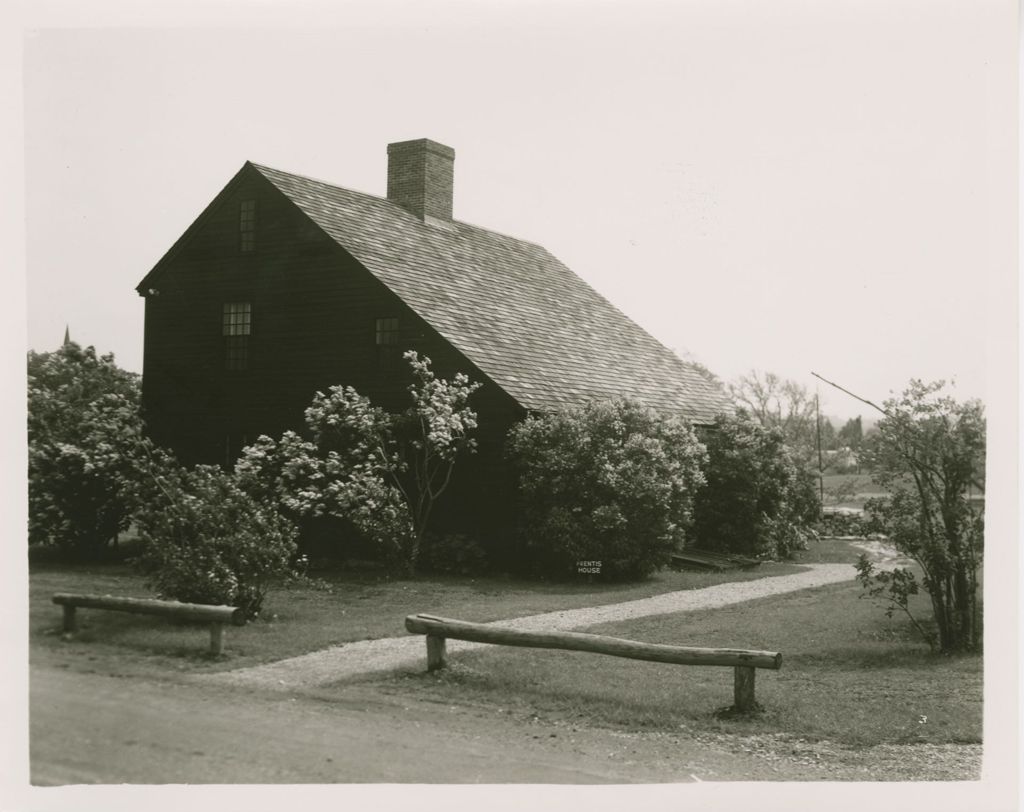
(788,406)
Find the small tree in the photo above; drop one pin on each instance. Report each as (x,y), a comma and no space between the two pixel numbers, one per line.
(79,404)
(778,403)
(851,434)
(828,434)
(895,587)
(758,501)
(929,451)
(611,482)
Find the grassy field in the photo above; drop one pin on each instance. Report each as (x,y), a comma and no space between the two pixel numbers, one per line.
(852,490)
(341,608)
(849,675)
(849,490)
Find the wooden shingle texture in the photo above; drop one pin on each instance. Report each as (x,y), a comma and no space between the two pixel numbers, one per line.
(522,317)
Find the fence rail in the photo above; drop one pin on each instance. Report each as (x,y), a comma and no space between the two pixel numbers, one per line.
(744,661)
(216,616)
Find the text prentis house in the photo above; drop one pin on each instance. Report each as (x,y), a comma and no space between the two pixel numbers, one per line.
(286,285)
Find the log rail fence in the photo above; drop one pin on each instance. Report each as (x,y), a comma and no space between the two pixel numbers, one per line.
(744,662)
(216,616)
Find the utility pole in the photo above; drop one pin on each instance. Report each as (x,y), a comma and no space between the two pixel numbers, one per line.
(821,467)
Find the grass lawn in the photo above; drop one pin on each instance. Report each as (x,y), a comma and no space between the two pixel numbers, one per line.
(298,619)
(849,675)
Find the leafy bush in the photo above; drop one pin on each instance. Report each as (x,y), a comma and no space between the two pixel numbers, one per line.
(612,482)
(757,501)
(81,407)
(206,541)
(379,472)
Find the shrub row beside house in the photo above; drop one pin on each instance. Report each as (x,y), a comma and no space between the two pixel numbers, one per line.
(612,481)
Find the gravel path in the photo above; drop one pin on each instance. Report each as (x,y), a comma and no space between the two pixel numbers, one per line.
(369,656)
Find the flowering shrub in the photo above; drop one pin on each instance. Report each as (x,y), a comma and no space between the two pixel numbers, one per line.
(382,473)
(757,500)
(206,541)
(92,469)
(286,473)
(81,410)
(611,482)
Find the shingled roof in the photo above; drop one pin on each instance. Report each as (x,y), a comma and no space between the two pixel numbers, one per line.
(528,322)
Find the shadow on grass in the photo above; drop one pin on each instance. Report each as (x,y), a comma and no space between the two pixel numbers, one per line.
(535,695)
(861,658)
(848,674)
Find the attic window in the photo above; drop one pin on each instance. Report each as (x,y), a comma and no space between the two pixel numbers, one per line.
(237,327)
(247,225)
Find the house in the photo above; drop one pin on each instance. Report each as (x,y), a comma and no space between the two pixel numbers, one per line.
(287,285)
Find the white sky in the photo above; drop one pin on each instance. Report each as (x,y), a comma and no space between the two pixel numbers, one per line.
(787,186)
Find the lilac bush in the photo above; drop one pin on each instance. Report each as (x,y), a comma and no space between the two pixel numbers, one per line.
(207,541)
(758,500)
(612,482)
(80,406)
(381,472)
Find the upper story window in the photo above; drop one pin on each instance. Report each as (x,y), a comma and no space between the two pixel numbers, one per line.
(247,225)
(387,337)
(236,327)
(387,332)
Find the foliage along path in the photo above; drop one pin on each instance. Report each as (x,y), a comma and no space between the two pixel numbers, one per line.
(369,656)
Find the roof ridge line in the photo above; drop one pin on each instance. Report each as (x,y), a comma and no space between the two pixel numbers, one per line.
(349,189)
(322,181)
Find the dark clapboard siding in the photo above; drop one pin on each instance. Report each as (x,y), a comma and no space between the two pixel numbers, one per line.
(313,318)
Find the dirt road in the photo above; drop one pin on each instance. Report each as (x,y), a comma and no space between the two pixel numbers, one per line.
(90,728)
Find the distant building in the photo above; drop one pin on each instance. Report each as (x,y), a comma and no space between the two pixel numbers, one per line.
(842,460)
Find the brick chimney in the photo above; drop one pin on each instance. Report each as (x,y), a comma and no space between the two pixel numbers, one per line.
(421,177)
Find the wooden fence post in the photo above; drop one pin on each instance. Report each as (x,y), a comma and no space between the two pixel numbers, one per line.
(436,651)
(216,639)
(69,618)
(743,698)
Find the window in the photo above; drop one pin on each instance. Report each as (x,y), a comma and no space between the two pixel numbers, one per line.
(387,332)
(387,338)
(237,327)
(247,225)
